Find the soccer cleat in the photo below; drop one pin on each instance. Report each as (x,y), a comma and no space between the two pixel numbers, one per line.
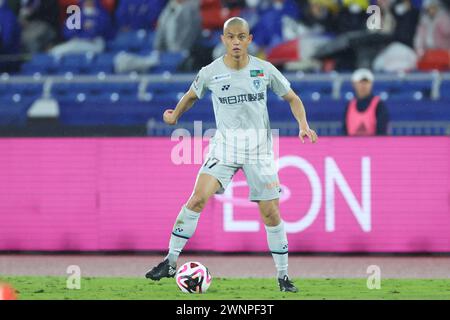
(162,270)
(286,285)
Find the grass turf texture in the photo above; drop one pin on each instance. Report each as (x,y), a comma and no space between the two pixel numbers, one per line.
(30,288)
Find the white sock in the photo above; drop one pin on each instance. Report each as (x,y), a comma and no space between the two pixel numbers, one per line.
(183,229)
(278,245)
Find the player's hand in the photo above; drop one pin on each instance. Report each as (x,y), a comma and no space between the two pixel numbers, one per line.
(169,117)
(307,132)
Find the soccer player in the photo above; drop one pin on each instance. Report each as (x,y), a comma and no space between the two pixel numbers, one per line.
(238,83)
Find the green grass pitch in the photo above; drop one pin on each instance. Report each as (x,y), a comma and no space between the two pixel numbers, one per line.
(31,288)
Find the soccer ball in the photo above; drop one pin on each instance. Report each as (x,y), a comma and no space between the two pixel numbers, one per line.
(193,277)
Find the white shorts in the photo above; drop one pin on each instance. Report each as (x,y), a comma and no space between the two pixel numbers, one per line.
(262,177)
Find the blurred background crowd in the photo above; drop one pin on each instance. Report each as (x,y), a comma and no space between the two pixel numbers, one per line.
(307,35)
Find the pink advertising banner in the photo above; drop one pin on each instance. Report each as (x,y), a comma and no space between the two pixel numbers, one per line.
(339,195)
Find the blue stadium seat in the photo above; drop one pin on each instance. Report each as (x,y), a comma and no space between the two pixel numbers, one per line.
(132,41)
(211,39)
(324,110)
(313,90)
(103,62)
(396,89)
(445,90)
(42,63)
(76,63)
(33,90)
(167,87)
(96,91)
(125,88)
(167,99)
(14,112)
(13,94)
(419,111)
(105,113)
(169,61)
(12,99)
(119,103)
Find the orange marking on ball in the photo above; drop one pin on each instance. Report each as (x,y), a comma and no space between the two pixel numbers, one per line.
(7,292)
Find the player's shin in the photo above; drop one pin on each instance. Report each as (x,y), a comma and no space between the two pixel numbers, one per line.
(278,245)
(183,229)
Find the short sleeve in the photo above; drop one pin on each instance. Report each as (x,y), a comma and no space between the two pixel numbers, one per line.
(200,83)
(278,83)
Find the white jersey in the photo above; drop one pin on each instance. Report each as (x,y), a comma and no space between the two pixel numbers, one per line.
(240,107)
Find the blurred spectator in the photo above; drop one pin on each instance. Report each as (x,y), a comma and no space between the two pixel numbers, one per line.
(366,115)
(178,29)
(318,17)
(39,21)
(399,55)
(95,28)
(9,30)
(214,13)
(446,4)
(232,4)
(138,14)
(9,39)
(358,46)
(268,32)
(406,17)
(301,39)
(43,10)
(368,43)
(108,5)
(433,31)
(179,26)
(95,22)
(63,5)
(250,11)
(261,4)
(351,30)
(352,16)
(388,22)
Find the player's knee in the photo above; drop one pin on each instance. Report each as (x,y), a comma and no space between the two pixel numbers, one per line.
(271,216)
(197,202)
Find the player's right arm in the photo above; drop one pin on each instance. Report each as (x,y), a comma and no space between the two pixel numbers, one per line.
(196,91)
(171,116)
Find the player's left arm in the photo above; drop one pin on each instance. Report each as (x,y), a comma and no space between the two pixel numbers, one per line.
(298,110)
